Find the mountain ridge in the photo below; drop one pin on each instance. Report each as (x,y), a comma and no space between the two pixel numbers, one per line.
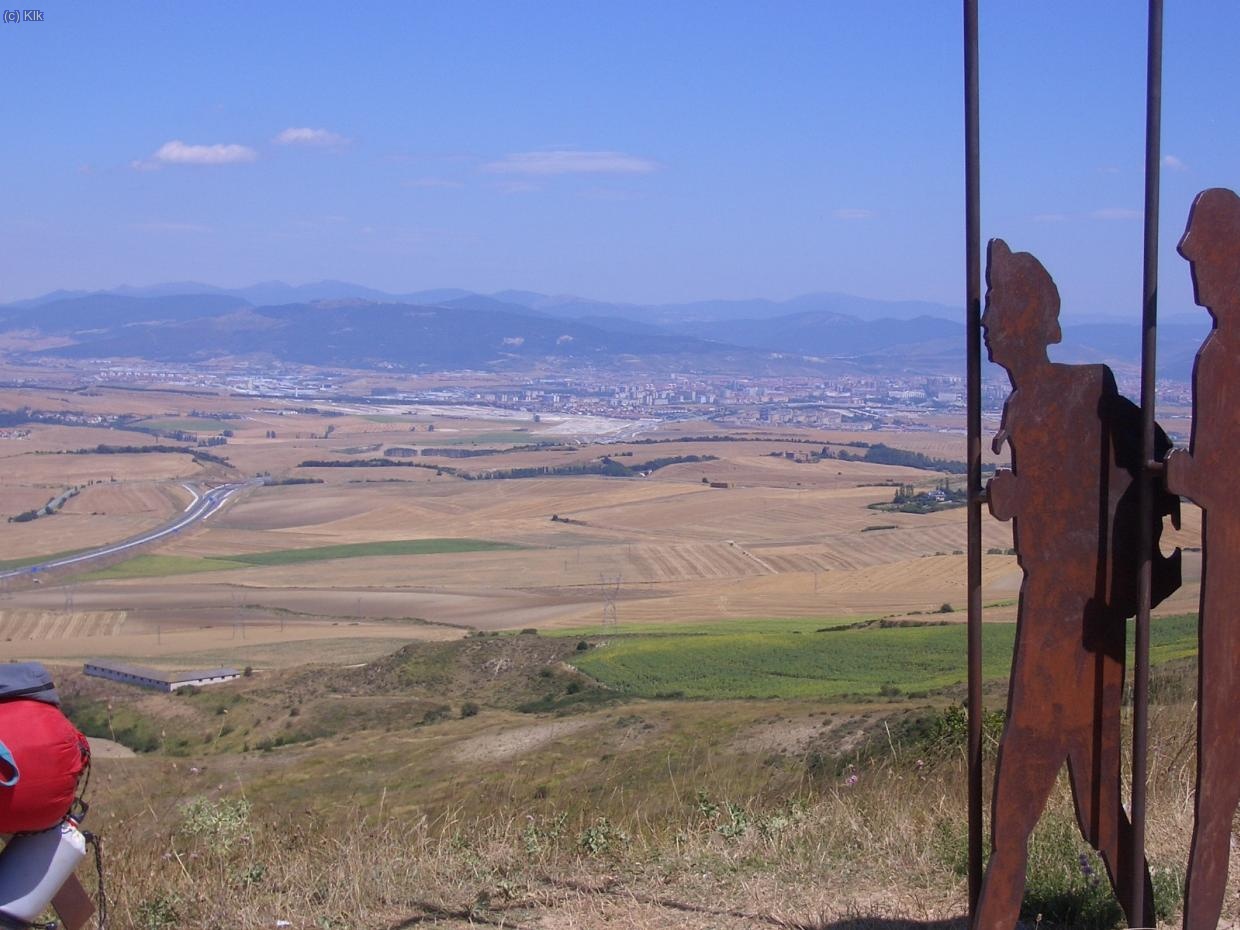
(457,328)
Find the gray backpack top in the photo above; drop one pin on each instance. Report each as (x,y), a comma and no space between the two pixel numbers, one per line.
(28,680)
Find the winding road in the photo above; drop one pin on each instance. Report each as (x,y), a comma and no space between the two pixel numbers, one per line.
(200,508)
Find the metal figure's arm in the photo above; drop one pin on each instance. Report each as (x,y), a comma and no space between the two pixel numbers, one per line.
(1003,489)
(1001,437)
(1187,471)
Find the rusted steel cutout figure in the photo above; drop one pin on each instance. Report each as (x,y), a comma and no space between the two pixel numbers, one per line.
(1207,475)
(1072,493)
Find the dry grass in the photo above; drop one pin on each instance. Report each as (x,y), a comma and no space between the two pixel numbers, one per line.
(885,852)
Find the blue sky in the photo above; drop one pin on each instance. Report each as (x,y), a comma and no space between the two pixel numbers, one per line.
(638,151)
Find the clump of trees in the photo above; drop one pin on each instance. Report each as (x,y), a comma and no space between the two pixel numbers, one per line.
(48,509)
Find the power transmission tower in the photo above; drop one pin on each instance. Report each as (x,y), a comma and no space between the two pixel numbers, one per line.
(611,590)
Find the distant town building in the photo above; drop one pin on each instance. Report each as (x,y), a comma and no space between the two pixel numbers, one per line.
(145,677)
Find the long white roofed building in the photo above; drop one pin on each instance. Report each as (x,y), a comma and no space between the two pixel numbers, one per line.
(145,677)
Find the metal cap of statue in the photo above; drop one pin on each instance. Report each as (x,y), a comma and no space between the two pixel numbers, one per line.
(1206,474)
(1072,494)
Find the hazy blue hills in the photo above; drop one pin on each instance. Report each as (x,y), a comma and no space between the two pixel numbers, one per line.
(102,312)
(826,333)
(368,335)
(341,324)
(276,292)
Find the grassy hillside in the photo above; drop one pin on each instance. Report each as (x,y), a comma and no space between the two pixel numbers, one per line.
(658,814)
(490,781)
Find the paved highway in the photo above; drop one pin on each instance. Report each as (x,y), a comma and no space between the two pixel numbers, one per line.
(202,506)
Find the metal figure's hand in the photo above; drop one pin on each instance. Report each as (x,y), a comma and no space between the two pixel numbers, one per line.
(1178,473)
(1001,492)
(996,445)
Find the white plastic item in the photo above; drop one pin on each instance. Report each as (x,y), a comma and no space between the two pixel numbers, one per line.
(33,866)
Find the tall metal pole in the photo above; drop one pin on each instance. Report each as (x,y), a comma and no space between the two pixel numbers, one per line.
(1149,333)
(973,347)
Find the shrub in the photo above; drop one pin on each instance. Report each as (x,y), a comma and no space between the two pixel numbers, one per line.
(469,709)
(582,646)
(601,838)
(158,912)
(1067,883)
(218,824)
(437,713)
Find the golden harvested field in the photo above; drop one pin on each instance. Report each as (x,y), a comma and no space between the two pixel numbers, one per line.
(21,625)
(48,438)
(298,643)
(69,470)
(100,514)
(15,500)
(786,538)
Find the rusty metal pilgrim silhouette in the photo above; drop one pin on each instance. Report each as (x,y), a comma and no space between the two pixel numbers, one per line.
(1072,494)
(1206,474)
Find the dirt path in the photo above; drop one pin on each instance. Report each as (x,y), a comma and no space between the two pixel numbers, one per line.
(508,744)
(101,748)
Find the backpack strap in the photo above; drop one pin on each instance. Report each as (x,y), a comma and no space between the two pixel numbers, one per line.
(6,757)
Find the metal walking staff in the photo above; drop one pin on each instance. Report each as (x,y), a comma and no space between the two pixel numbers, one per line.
(1153,468)
(973,326)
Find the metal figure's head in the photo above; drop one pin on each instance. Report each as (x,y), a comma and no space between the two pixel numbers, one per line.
(1022,307)
(1211,243)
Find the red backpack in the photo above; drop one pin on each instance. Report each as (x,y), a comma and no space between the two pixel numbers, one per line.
(42,754)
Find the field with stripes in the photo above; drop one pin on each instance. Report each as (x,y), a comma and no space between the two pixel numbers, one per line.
(425,524)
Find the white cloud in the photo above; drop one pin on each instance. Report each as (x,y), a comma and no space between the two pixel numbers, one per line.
(177,152)
(571,161)
(321,138)
(853,213)
(1175,164)
(1115,213)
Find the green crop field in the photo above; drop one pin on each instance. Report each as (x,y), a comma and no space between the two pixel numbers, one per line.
(712,627)
(362,550)
(158,566)
(788,663)
(744,625)
(191,424)
(6,564)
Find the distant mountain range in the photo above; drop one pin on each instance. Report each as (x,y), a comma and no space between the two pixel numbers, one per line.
(336,323)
